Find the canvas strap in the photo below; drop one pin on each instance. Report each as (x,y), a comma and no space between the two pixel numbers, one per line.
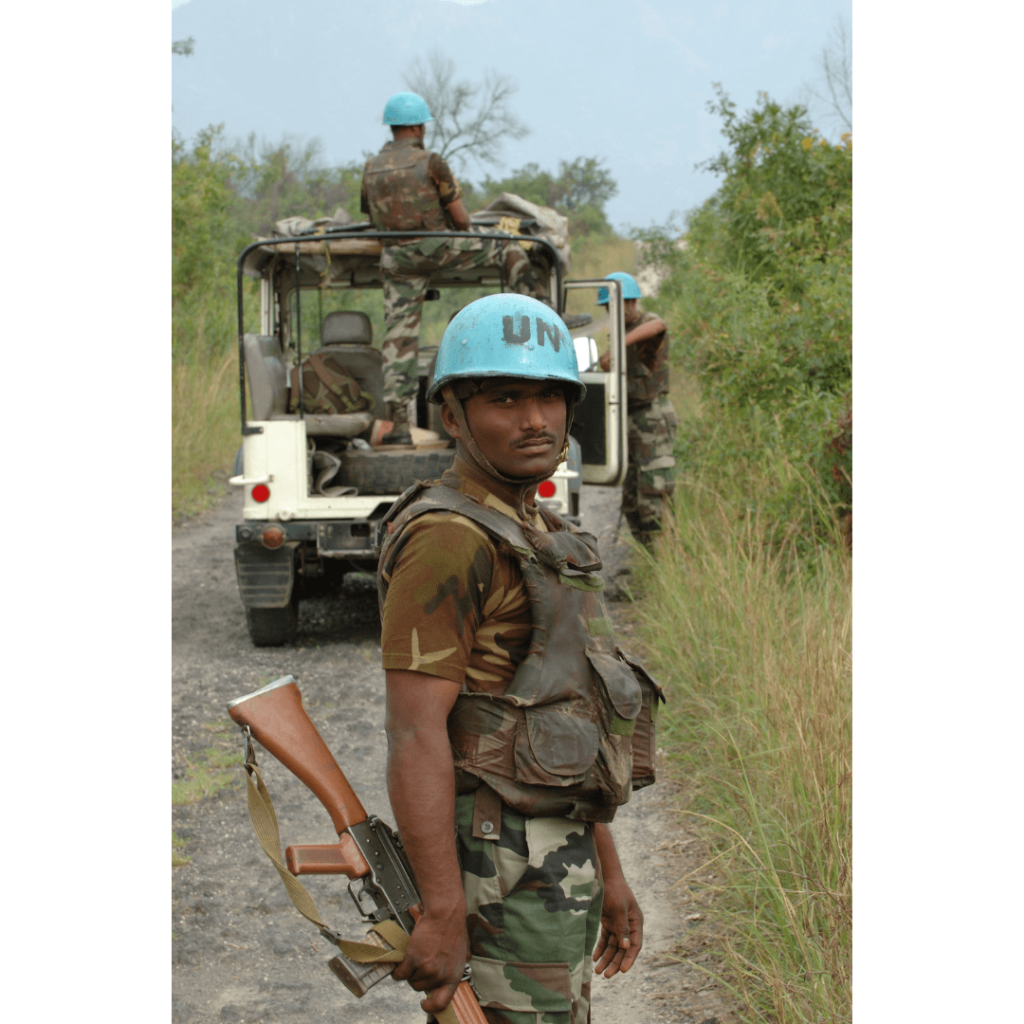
(264,823)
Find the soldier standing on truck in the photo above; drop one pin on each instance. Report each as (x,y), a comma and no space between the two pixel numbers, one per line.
(407,188)
(651,432)
(515,726)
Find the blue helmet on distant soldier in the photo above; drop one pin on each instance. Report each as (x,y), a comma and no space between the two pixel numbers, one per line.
(630,289)
(406,108)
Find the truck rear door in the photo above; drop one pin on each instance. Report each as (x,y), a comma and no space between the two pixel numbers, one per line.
(599,422)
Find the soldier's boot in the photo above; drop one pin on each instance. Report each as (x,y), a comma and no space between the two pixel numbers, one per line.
(398,413)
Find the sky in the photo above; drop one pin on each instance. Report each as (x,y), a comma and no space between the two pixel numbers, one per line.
(626,81)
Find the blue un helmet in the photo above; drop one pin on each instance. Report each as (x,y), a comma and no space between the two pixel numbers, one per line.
(406,108)
(630,289)
(506,335)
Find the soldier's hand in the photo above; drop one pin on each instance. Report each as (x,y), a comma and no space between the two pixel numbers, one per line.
(605,361)
(436,958)
(622,929)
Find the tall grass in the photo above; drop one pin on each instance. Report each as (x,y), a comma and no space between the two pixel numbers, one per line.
(597,255)
(204,430)
(754,645)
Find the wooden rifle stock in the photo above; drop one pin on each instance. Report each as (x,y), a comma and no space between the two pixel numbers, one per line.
(276,718)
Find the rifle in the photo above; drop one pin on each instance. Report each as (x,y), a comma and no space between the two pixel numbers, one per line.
(381,881)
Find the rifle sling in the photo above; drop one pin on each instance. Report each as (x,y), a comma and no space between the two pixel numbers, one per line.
(264,823)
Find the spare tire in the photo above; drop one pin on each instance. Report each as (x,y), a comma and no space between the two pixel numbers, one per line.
(383,472)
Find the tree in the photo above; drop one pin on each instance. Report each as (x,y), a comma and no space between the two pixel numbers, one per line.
(277,180)
(470,121)
(204,244)
(185,47)
(786,191)
(761,298)
(580,190)
(834,88)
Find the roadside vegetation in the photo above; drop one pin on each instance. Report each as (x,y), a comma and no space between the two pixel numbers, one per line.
(745,607)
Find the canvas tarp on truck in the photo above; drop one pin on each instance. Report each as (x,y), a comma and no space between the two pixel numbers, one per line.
(519,216)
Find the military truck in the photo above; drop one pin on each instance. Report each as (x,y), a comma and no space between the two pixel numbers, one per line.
(316,485)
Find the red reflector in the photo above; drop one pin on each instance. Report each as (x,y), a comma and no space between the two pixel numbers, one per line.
(261,492)
(546,489)
(272,537)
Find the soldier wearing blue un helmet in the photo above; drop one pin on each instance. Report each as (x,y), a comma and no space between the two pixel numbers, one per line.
(408,188)
(500,660)
(651,433)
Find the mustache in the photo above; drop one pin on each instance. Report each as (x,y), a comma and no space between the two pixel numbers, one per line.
(540,435)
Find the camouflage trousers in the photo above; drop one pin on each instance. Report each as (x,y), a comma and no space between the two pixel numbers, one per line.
(651,470)
(533,908)
(406,271)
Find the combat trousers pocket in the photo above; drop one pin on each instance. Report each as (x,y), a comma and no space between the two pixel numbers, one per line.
(524,988)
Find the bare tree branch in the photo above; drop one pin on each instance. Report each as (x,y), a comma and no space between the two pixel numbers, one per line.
(834,88)
(470,121)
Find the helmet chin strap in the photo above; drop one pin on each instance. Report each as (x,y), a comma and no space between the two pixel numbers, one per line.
(472,449)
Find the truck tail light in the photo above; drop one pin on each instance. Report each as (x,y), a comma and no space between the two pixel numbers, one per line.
(272,537)
(546,489)
(261,492)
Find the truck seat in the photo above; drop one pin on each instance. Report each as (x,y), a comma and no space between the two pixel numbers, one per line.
(348,335)
(346,327)
(268,378)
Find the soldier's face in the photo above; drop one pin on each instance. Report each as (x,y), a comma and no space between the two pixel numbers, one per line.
(629,310)
(518,424)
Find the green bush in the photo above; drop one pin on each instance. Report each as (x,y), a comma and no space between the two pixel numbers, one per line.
(205,239)
(760,299)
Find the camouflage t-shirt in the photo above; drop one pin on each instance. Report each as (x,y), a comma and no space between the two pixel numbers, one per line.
(646,364)
(652,352)
(455,607)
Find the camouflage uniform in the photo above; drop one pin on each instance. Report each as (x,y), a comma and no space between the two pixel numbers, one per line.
(531,888)
(406,188)
(455,605)
(651,434)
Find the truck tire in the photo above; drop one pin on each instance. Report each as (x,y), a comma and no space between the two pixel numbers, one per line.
(384,472)
(272,627)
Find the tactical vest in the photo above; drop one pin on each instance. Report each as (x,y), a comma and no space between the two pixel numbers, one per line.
(573,732)
(643,385)
(399,190)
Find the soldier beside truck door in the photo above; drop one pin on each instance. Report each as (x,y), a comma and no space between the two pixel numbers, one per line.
(651,431)
(407,188)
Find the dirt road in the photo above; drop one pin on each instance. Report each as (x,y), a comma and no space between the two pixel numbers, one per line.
(241,953)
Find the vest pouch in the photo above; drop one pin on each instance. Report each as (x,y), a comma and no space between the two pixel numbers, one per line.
(556,748)
(644,741)
(621,689)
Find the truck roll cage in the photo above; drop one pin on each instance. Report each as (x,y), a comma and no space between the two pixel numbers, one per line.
(319,244)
